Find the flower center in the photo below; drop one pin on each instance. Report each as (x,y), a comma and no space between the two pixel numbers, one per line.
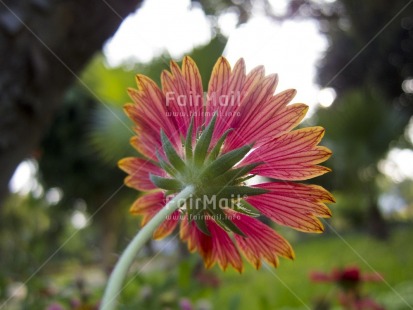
(218,178)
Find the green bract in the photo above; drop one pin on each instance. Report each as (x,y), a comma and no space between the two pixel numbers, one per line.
(218,181)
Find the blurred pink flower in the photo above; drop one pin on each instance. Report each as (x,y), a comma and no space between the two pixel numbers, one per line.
(349,280)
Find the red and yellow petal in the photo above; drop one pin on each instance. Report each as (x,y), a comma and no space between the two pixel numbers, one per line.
(139,170)
(193,79)
(262,123)
(294,205)
(145,145)
(261,242)
(150,111)
(216,248)
(292,156)
(151,200)
(228,103)
(223,248)
(253,78)
(184,94)
(148,206)
(218,85)
(255,100)
(218,95)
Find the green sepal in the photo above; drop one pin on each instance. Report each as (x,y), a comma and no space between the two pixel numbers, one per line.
(245,208)
(221,218)
(203,143)
(233,176)
(188,141)
(243,179)
(199,218)
(164,183)
(195,211)
(234,192)
(164,165)
(202,226)
(225,162)
(217,148)
(171,153)
(169,192)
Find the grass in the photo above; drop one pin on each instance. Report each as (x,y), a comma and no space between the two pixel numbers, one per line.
(166,280)
(289,287)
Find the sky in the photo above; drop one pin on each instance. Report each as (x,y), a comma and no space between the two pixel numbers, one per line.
(290,49)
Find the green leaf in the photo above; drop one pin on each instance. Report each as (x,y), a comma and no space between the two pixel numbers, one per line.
(222,219)
(215,151)
(188,141)
(243,179)
(246,208)
(164,183)
(171,153)
(232,176)
(202,145)
(233,192)
(225,162)
(195,209)
(164,165)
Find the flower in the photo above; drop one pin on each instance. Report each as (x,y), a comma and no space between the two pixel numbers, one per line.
(215,143)
(349,280)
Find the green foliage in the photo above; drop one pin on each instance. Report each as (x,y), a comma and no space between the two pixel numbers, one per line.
(289,286)
(69,162)
(359,130)
(109,85)
(108,134)
(367,63)
(371,45)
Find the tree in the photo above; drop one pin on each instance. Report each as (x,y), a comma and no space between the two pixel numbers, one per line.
(368,63)
(359,137)
(43,46)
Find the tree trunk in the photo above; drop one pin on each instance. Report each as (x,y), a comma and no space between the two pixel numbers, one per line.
(376,224)
(43,46)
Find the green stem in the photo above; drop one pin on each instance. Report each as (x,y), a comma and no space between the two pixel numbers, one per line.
(114,286)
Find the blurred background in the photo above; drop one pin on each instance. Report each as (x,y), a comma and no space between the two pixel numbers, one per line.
(64,70)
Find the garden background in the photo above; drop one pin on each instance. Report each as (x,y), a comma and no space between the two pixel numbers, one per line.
(64,215)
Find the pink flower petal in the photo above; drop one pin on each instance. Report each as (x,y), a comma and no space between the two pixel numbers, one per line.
(226,102)
(145,144)
(261,242)
(261,123)
(294,205)
(150,111)
(292,156)
(183,93)
(218,247)
(218,86)
(149,205)
(194,81)
(139,170)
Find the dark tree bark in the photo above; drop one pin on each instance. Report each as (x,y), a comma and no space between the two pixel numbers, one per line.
(43,45)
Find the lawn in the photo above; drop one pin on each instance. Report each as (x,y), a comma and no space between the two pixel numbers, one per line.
(161,282)
(289,287)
